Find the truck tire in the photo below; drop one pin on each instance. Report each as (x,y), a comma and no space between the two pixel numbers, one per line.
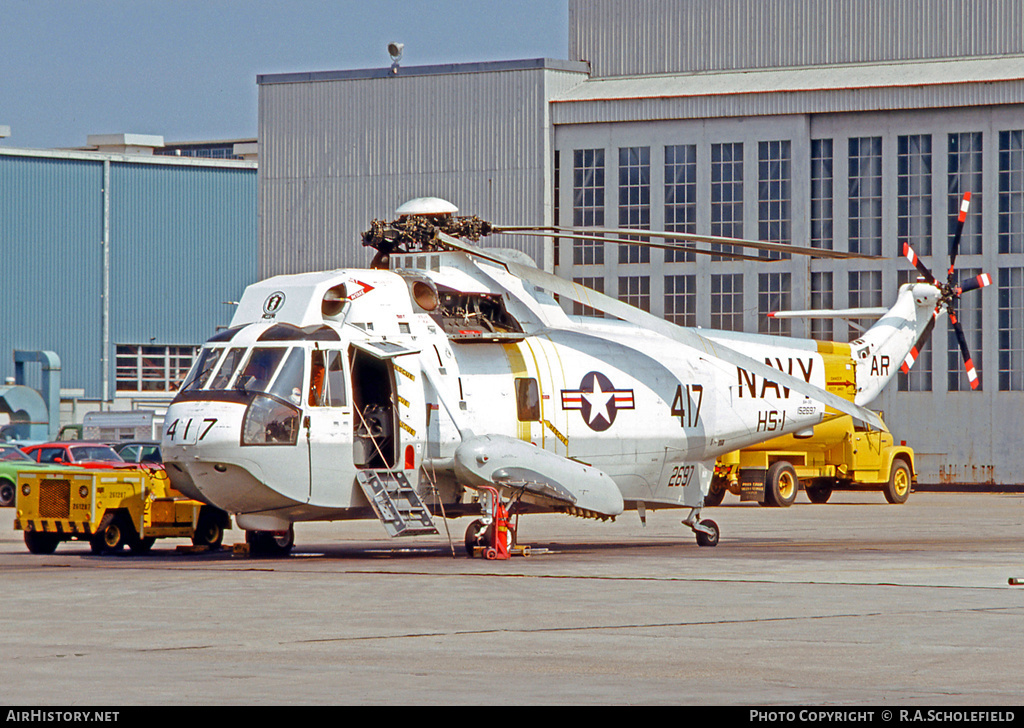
(210,529)
(142,545)
(7,493)
(112,535)
(897,490)
(819,491)
(41,543)
(781,485)
(716,493)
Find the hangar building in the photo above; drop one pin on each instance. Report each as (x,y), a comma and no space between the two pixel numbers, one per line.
(829,123)
(120,261)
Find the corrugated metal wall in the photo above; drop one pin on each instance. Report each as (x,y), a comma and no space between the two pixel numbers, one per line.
(336,154)
(183,240)
(633,37)
(51,224)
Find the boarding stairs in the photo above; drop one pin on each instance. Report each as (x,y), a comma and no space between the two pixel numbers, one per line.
(396,503)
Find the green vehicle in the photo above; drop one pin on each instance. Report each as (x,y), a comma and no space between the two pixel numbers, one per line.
(12,460)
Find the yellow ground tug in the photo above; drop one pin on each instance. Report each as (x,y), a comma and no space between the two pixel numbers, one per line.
(838,456)
(110,508)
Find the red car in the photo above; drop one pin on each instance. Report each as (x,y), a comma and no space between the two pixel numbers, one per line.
(74,453)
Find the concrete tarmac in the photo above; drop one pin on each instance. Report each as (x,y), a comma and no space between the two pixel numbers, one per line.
(851,603)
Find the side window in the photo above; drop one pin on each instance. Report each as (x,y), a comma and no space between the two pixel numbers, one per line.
(51,454)
(327,380)
(527,399)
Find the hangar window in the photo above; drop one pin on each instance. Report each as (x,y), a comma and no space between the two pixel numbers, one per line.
(965,175)
(152,368)
(681,299)
(634,200)
(1011,192)
(680,196)
(774,293)
(914,193)
(726,195)
(773,195)
(822,297)
(865,289)
(1011,329)
(636,291)
(727,301)
(588,203)
(821,194)
(865,195)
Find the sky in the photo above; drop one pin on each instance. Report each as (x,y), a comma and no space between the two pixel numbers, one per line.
(186,69)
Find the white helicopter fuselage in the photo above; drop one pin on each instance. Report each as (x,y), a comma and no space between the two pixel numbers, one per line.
(324,375)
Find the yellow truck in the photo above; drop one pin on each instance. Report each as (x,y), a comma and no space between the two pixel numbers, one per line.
(110,508)
(839,455)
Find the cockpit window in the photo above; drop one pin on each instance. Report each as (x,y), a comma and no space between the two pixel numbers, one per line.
(202,369)
(259,369)
(288,385)
(227,368)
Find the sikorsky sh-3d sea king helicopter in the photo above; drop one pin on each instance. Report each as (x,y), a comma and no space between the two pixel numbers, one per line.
(447,377)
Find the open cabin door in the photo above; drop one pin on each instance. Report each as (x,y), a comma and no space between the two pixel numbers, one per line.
(389,430)
(387,391)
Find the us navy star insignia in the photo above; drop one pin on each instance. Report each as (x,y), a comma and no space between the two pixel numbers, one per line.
(598,400)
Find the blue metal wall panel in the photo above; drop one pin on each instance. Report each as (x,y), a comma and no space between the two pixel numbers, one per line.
(50,232)
(183,240)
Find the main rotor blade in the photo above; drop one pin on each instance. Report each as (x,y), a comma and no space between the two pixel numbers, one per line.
(954,246)
(648,244)
(564,232)
(910,255)
(970,284)
(685,336)
(972,373)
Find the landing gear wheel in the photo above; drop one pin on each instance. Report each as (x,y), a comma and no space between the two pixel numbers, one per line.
(897,490)
(708,539)
(781,485)
(270,543)
(478,535)
(41,543)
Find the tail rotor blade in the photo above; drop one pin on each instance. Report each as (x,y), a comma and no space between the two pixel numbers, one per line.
(972,373)
(970,284)
(910,255)
(915,351)
(954,246)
